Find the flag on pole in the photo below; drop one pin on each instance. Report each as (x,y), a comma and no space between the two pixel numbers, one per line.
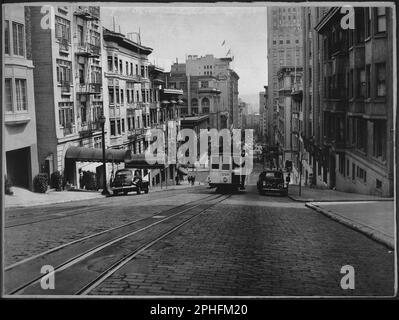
(223,43)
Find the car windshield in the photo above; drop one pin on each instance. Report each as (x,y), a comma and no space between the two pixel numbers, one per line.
(273,175)
(124,174)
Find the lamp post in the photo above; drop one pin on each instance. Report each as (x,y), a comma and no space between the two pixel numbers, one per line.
(101,120)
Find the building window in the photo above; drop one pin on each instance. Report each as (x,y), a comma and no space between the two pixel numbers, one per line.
(381,20)
(111,95)
(353,171)
(347,168)
(62,29)
(142,71)
(378,184)
(361,83)
(20,87)
(368,81)
(117,95)
(381,88)
(362,174)
(120,67)
(8,96)
(379,139)
(112,126)
(81,68)
(123,125)
(361,135)
(131,68)
(66,114)
(367,17)
(81,40)
(64,71)
(98,143)
(6,37)
(342,164)
(83,112)
(18,38)
(127,68)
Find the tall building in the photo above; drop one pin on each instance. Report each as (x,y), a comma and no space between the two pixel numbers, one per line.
(284,48)
(68,85)
(20,140)
(351,138)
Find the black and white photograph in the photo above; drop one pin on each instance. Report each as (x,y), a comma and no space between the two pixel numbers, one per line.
(195,150)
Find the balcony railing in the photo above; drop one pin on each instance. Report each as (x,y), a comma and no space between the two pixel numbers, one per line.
(89,127)
(88,13)
(68,128)
(134,133)
(65,87)
(88,50)
(64,44)
(89,88)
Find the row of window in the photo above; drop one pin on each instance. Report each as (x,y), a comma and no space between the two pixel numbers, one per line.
(15,90)
(132,96)
(286,41)
(129,69)
(368,21)
(357,83)
(14,43)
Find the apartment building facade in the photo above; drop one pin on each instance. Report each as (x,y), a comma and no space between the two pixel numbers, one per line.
(349,99)
(225,80)
(20,140)
(68,84)
(201,94)
(289,81)
(284,48)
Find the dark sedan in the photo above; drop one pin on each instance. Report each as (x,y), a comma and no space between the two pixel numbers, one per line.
(272,181)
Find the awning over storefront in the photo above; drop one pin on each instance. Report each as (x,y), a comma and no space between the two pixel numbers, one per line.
(96,155)
(138,161)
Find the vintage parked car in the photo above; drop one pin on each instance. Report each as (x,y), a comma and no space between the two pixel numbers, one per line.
(127,180)
(272,181)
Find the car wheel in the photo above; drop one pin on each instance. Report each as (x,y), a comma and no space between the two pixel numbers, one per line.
(138,191)
(125,192)
(146,190)
(116,193)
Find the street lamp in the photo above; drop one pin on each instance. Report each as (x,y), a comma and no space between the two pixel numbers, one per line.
(101,120)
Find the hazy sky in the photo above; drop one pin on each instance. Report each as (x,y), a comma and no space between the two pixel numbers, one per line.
(174,31)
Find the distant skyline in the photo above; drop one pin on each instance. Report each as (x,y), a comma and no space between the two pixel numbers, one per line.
(177,31)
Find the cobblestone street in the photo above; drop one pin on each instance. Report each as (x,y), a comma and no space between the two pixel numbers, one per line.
(246,245)
(272,247)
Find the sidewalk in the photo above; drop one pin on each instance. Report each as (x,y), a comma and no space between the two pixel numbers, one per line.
(321,195)
(371,215)
(26,198)
(376,219)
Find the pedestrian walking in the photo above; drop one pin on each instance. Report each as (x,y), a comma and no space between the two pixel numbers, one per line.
(192,180)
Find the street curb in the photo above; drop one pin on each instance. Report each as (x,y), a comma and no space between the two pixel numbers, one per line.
(345,200)
(369,232)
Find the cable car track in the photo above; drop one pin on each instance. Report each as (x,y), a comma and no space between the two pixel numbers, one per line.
(23,286)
